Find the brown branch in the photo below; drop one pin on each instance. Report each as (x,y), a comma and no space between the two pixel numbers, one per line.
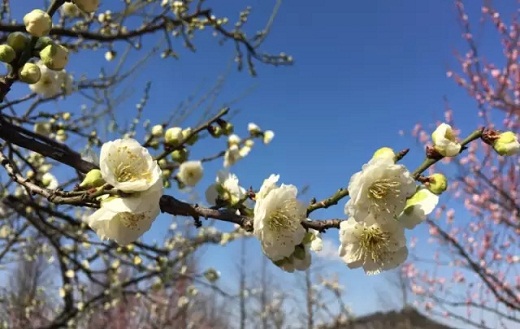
(27,139)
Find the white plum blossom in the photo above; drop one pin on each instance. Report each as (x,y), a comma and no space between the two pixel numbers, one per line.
(375,248)
(190,172)
(420,205)
(316,243)
(52,83)
(232,155)
(268,185)
(444,141)
(277,221)
(124,220)
(380,190)
(226,187)
(127,166)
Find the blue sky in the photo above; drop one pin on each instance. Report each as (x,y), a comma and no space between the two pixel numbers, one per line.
(364,70)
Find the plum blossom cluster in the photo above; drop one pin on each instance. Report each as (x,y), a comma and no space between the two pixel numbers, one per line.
(384,201)
(126,166)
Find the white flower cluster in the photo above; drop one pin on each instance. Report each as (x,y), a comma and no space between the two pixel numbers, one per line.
(278,217)
(129,168)
(384,200)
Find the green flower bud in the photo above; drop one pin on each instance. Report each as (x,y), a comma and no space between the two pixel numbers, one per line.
(43,42)
(437,183)
(384,152)
(180,155)
(92,179)
(7,54)
(157,130)
(55,57)
(18,41)
(173,136)
(29,73)
(215,131)
(507,144)
(228,128)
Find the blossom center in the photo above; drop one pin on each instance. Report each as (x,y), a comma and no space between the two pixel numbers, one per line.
(381,188)
(374,242)
(284,217)
(124,173)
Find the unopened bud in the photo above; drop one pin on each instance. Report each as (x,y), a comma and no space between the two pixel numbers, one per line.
(384,152)
(7,54)
(29,73)
(437,183)
(92,179)
(507,144)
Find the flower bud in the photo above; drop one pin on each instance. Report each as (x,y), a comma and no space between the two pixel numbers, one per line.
(384,152)
(7,54)
(211,275)
(180,155)
(233,140)
(29,73)
(215,131)
(268,136)
(88,6)
(43,42)
(173,136)
(228,128)
(157,130)
(193,139)
(92,179)
(61,135)
(253,129)
(444,141)
(69,9)
(38,23)
(18,41)
(55,57)
(437,183)
(507,144)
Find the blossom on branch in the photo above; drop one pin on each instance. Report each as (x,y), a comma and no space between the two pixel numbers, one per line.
(226,188)
(127,166)
(124,220)
(190,172)
(52,83)
(379,191)
(374,247)
(507,144)
(277,220)
(444,141)
(38,23)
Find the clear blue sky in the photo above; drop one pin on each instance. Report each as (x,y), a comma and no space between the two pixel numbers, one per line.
(363,71)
